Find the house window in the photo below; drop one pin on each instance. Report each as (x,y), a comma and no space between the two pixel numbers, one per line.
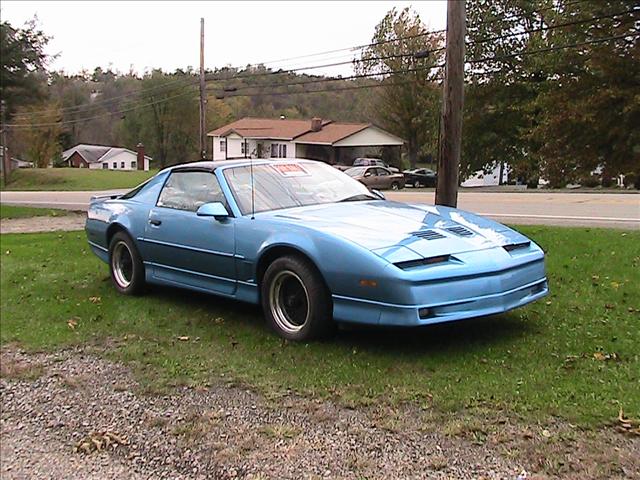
(223,145)
(278,150)
(121,164)
(134,165)
(105,166)
(243,148)
(115,164)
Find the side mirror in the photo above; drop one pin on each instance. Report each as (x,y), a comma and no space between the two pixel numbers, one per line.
(212,209)
(378,194)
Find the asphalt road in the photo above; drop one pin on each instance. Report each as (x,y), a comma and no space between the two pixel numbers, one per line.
(616,210)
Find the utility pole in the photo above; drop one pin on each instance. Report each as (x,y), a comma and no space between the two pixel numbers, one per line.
(203,100)
(6,159)
(451,145)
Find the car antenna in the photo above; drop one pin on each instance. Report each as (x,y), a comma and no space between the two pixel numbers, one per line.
(253,193)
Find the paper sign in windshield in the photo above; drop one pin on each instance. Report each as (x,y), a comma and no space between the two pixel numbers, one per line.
(290,170)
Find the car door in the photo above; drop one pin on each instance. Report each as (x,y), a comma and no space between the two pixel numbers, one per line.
(369,177)
(383,178)
(184,248)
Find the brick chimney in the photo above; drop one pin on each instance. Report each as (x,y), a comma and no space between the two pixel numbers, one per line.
(140,159)
(316,124)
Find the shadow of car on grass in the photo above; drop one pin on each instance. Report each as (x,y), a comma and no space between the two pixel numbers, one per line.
(450,337)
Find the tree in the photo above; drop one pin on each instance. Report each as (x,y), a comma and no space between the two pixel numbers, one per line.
(565,108)
(40,141)
(409,103)
(165,119)
(22,63)
(590,112)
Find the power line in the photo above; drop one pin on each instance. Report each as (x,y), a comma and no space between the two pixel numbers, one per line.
(108,114)
(98,103)
(520,16)
(321,80)
(552,27)
(357,47)
(186,83)
(552,49)
(409,37)
(336,89)
(329,79)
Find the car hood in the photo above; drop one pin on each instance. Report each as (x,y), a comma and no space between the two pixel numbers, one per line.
(399,231)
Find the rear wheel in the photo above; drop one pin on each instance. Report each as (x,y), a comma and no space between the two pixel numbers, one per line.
(125,263)
(295,300)
(416,184)
(395,186)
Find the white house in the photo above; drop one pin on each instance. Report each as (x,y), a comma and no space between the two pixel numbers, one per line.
(316,139)
(106,158)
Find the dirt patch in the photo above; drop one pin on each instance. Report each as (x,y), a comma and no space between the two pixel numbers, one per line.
(73,221)
(223,431)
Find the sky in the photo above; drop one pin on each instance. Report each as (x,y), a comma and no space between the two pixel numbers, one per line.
(166,34)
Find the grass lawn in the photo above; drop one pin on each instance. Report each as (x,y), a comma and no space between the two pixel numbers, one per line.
(13,211)
(574,354)
(74,179)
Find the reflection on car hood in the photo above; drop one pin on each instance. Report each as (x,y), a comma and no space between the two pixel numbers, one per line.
(399,231)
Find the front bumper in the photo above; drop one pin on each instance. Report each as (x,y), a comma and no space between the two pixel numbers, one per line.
(451,299)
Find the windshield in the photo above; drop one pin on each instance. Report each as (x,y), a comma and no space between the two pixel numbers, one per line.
(356,171)
(286,185)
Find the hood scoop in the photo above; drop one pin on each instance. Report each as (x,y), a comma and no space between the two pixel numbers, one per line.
(427,234)
(461,231)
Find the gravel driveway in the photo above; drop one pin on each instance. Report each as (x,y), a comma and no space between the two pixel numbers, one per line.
(72,221)
(52,403)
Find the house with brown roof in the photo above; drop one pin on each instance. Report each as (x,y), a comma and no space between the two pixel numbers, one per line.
(316,139)
(105,157)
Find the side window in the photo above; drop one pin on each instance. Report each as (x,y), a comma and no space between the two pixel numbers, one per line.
(382,172)
(189,190)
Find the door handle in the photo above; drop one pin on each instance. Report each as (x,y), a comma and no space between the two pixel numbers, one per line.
(155,222)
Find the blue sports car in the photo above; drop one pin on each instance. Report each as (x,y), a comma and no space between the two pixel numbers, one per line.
(312,246)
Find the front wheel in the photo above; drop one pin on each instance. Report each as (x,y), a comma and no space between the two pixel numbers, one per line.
(395,186)
(125,263)
(416,184)
(296,303)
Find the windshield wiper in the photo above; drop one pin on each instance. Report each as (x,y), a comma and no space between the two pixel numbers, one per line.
(358,197)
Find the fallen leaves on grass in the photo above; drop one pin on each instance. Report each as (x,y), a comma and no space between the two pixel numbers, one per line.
(186,338)
(604,357)
(628,425)
(98,441)
(72,323)
(95,300)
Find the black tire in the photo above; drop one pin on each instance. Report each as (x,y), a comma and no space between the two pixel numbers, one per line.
(125,265)
(290,286)
(416,184)
(395,186)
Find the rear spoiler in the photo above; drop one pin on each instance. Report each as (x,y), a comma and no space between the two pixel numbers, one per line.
(96,198)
